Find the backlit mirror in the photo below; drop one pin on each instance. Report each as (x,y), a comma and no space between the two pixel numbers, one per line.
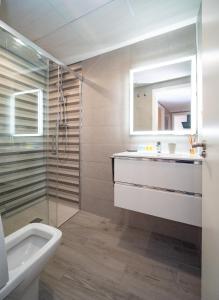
(163,98)
(23,123)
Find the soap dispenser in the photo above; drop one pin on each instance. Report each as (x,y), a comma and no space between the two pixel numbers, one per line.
(158,147)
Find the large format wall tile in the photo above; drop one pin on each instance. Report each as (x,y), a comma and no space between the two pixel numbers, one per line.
(105,125)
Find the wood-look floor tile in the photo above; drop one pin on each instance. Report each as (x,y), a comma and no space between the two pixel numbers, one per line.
(99,260)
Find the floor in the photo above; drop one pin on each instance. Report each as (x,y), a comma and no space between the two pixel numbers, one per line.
(13,221)
(100,260)
(60,210)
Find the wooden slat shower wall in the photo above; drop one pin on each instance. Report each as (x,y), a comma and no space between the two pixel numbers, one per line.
(63,161)
(22,159)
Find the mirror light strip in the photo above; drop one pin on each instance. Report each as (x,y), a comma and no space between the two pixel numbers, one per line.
(39,114)
(193,98)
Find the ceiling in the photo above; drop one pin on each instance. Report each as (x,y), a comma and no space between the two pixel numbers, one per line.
(175,99)
(163,73)
(17,47)
(73,30)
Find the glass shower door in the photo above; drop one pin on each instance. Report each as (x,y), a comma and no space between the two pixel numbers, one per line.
(23,133)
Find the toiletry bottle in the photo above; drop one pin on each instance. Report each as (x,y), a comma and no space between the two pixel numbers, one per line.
(149,148)
(192,140)
(158,147)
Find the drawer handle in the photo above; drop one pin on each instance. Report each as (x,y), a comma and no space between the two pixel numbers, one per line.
(158,159)
(160,189)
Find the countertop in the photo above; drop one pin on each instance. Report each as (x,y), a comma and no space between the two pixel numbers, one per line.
(167,156)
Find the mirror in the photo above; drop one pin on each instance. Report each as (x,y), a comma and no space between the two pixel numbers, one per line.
(21,123)
(163,98)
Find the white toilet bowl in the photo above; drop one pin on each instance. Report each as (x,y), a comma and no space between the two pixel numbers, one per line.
(28,250)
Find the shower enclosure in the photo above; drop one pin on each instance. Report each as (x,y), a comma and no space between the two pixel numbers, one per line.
(39,136)
(64,141)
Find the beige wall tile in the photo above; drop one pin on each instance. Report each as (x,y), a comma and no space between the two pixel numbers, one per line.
(97,170)
(97,188)
(99,152)
(105,125)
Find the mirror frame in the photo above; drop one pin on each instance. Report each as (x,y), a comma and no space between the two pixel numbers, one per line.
(193,129)
(39,93)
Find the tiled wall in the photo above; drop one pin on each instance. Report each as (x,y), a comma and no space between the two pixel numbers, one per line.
(63,156)
(105,125)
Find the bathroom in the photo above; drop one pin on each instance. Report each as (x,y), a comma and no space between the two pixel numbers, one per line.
(109,149)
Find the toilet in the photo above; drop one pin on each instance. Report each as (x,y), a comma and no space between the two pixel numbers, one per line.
(24,254)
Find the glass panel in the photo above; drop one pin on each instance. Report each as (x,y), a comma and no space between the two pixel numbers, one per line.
(23,134)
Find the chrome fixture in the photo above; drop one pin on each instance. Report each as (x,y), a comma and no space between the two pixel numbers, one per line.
(19,37)
(61,117)
(201,145)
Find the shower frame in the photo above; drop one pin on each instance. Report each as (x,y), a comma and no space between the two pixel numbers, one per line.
(53,59)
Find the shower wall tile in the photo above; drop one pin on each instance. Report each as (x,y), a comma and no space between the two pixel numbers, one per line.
(64,146)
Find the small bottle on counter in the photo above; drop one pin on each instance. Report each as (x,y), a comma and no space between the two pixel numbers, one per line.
(158,147)
(192,140)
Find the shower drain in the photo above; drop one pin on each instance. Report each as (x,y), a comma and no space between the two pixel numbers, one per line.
(36,220)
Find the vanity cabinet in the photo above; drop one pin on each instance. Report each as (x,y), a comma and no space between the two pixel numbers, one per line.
(160,186)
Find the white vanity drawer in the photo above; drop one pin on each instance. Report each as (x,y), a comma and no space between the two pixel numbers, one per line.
(164,174)
(169,205)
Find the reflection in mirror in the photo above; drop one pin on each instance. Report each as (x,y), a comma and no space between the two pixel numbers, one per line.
(172,107)
(21,124)
(163,98)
